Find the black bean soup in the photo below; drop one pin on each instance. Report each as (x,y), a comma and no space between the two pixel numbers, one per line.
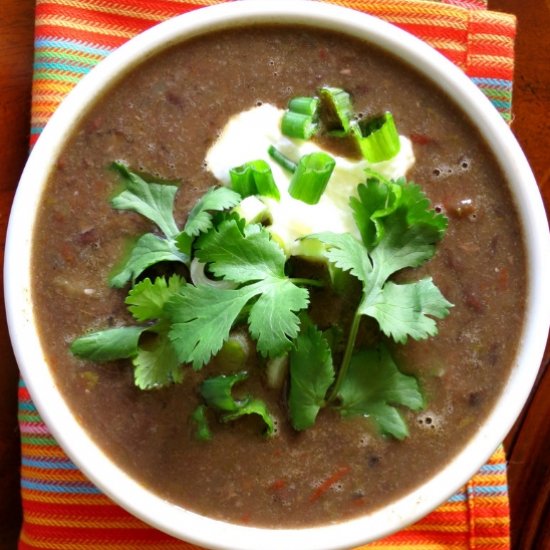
(161,119)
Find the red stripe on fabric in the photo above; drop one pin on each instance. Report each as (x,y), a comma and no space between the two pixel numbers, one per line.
(91,38)
(486,24)
(490,511)
(24,394)
(442,518)
(98,534)
(442,537)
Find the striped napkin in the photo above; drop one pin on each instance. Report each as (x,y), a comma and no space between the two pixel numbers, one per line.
(62,509)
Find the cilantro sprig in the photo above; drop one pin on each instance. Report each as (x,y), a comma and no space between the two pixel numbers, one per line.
(147,345)
(155,201)
(204,316)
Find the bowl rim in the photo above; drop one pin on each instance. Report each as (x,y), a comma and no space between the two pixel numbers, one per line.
(108,477)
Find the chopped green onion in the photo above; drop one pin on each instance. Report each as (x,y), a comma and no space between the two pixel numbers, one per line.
(300,119)
(216,391)
(304,105)
(377,138)
(254,178)
(252,210)
(201,423)
(298,125)
(276,371)
(234,353)
(242,180)
(311,177)
(336,110)
(281,159)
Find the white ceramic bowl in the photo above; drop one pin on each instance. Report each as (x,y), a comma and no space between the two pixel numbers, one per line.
(50,403)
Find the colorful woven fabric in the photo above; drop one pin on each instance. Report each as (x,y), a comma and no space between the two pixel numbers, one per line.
(62,509)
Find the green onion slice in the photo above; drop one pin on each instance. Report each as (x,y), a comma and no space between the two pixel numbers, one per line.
(304,105)
(311,177)
(254,178)
(281,159)
(377,138)
(300,118)
(336,110)
(217,392)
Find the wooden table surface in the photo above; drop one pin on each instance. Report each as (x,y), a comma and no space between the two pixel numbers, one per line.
(527,446)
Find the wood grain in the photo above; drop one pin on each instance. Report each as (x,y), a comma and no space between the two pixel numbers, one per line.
(528,445)
(16,39)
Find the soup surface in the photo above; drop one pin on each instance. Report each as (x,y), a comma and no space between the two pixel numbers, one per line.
(161,119)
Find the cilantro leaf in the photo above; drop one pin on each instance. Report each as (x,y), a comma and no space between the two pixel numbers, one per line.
(215,199)
(402,246)
(148,250)
(157,364)
(346,253)
(202,317)
(272,320)
(241,256)
(375,200)
(311,374)
(402,310)
(374,386)
(108,345)
(155,201)
(397,224)
(147,299)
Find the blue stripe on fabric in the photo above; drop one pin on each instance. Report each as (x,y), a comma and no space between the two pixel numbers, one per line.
(492,468)
(48,464)
(69,44)
(490,490)
(495,82)
(36,130)
(500,104)
(458,497)
(27,406)
(77,488)
(46,65)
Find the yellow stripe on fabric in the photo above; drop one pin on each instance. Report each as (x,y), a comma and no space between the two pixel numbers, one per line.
(64,498)
(505,41)
(441,22)
(452,507)
(459,526)
(493,521)
(66,22)
(446,44)
(52,475)
(112,8)
(81,58)
(491,501)
(492,542)
(418,7)
(43,452)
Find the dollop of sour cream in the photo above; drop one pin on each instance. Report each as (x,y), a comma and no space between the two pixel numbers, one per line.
(247,136)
